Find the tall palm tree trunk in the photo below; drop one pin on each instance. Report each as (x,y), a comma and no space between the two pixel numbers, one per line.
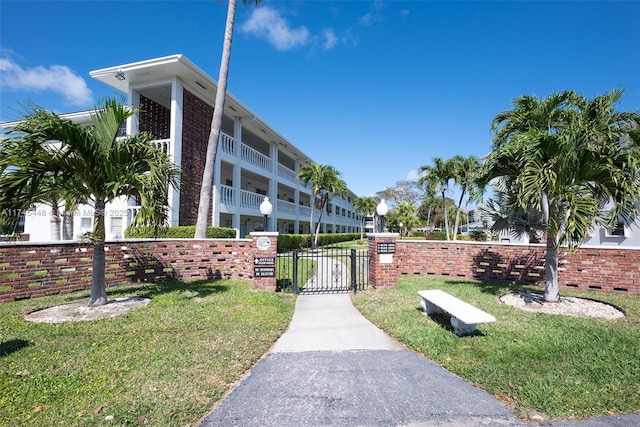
(551,291)
(98,288)
(67,225)
(54,223)
(206,189)
(455,228)
(446,220)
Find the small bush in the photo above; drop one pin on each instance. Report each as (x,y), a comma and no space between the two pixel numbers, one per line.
(180,232)
(437,235)
(478,236)
(289,242)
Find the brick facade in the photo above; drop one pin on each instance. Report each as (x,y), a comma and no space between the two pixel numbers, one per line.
(196,126)
(606,269)
(154,119)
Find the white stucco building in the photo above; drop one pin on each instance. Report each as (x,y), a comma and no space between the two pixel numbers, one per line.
(175,99)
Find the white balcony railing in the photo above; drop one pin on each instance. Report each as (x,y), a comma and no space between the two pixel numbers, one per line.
(227,144)
(304,211)
(285,207)
(250,200)
(227,195)
(285,172)
(162,144)
(256,158)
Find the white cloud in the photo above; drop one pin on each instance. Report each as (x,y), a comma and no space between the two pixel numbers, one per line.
(266,23)
(330,39)
(57,78)
(372,16)
(412,175)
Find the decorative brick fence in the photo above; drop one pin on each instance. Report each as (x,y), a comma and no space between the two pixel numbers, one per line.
(588,268)
(30,270)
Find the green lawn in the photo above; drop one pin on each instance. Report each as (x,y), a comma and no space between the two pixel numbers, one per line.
(165,364)
(538,363)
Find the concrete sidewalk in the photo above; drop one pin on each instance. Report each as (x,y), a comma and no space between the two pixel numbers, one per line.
(332,367)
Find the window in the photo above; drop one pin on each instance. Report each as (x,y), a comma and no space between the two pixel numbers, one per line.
(86,224)
(116,226)
(617,231)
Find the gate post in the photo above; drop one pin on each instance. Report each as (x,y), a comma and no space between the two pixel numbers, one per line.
(264,247)
(383,263)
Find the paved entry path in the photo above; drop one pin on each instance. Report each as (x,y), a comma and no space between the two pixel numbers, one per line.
(334,368)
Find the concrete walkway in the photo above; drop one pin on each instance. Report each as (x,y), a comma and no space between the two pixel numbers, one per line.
(334,368)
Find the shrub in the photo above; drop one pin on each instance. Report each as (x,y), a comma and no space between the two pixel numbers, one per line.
(478,236)
(437,235)
(179,232)
(289,242)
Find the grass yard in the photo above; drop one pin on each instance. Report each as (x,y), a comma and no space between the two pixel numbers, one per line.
(538,363)
(165,364)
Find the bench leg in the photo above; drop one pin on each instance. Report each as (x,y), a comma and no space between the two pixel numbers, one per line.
(428,308)
(460,328)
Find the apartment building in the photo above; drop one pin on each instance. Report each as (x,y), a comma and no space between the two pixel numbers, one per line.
(175,100)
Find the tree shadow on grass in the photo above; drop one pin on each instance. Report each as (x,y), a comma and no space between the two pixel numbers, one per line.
(11,346)
(494,288)
(192,288)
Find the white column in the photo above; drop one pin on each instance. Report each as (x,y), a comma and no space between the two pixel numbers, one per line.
(175,147)
(273,186)
(237,171)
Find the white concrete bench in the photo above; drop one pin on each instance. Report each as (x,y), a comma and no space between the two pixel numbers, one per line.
(464,316)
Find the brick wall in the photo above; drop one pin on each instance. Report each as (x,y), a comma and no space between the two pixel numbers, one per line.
(196,126)
(29,270)
(607,269)
(154,118)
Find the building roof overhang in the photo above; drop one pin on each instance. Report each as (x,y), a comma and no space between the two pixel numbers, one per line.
(168,67)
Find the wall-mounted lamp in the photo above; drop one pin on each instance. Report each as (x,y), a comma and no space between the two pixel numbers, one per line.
(382,210)
(120,76)
(265,209)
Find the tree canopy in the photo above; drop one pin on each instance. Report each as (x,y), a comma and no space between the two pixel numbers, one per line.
(574,160)
(46,152)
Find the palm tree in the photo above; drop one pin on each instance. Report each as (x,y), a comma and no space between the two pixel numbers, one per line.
(206,189)
(325,180)
(437,176)
(465,172)
(406,213)
(91,163)
(503,213)
(581,169)
(364,206)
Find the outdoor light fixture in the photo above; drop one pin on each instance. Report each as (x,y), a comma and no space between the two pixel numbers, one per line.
(382,210)
(120,76)
(265,209)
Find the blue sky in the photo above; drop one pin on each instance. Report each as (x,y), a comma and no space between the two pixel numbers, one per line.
(374,88)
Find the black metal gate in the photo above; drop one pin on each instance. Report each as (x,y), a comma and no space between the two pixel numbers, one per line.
(320,271)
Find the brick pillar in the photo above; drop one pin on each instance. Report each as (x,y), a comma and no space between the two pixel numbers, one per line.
(265,250)
(383,262)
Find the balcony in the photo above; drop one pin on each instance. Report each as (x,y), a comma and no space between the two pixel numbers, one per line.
(285,172)
(255,158)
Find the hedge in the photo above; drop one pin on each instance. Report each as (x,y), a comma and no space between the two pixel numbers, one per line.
(180,232)
(289,242)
